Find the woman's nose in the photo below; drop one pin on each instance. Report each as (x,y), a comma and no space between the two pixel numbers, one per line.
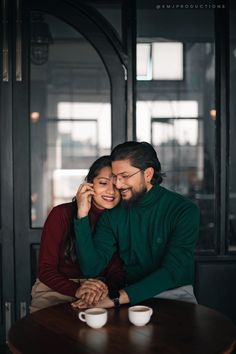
(111,188)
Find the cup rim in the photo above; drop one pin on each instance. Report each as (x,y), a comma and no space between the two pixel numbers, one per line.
(138,306)
(90,310)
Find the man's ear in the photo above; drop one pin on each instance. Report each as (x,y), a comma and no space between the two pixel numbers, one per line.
(149,172)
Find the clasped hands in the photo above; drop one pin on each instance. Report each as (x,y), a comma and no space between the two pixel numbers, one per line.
(92,292)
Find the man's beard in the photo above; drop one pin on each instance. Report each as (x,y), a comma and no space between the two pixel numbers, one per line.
(134,199)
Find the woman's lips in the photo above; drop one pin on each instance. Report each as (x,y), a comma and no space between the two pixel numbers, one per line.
(108,199)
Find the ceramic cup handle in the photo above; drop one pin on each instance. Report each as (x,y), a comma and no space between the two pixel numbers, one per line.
(82,316)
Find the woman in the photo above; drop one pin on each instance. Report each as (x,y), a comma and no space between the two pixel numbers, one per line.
(59,276)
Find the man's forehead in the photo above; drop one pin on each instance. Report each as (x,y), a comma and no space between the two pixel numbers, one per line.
(121,166)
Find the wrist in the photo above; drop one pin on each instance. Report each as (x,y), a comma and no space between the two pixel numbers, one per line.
(124,298)
(119,298)
(114,296)
(81,214)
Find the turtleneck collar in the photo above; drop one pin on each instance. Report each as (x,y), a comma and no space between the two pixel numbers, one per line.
(151,196)
(95,209)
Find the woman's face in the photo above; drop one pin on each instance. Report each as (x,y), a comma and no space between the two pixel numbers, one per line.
(106,195)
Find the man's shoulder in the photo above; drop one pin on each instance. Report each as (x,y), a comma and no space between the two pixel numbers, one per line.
(176,199)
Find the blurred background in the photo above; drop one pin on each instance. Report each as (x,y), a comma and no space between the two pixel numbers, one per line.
(79,77)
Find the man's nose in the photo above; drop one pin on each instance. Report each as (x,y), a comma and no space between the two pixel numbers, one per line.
(118,183)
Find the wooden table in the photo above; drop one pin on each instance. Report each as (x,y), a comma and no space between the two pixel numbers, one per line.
(175,327)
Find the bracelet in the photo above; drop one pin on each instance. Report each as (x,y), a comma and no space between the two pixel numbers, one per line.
(115,297)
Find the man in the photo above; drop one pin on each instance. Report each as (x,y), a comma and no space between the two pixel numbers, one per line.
(154,230)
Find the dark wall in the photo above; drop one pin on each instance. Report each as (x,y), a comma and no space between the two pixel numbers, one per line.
(215,286)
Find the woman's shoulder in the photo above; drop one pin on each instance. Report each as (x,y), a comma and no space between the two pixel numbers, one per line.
(59,210)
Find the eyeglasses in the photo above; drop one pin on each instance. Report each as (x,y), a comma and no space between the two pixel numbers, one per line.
(123,178)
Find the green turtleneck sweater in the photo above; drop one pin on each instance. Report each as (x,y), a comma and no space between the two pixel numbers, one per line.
(155,239)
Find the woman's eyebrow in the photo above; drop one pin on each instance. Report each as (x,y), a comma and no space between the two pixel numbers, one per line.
(108,178)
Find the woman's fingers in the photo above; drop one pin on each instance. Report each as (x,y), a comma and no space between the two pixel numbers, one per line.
(85,187)
(98,283)
(92,297)
(83,198)
(84,184)
(89,295)
(84,191)
(98,297)
(94,284)
(79,304)
(92,291)
(89,298)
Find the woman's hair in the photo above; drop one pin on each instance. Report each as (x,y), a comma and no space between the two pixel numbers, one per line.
(104,161)
(70,252)
(141,155)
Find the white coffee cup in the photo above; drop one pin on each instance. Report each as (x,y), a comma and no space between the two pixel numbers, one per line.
(95,317)
(140,315)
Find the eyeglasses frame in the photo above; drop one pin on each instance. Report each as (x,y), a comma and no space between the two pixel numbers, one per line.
(124,178)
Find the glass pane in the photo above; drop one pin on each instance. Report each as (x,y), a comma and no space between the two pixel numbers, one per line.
(232,213)
(178,115)
(144,61)
(70,112)
(178,149)
(167,61)
(111,11)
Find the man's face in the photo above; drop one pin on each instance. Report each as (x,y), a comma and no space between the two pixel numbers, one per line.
(131,181)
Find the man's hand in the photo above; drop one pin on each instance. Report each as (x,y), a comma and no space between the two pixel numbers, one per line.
(91,291)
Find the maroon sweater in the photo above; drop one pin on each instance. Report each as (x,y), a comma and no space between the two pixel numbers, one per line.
(53,270)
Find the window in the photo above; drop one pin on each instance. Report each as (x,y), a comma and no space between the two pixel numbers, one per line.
(70,121)
(160,61)
(175,108)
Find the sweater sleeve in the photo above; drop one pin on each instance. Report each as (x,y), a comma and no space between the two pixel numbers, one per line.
(94,254)
(114,273)
(52,238)
(177,263)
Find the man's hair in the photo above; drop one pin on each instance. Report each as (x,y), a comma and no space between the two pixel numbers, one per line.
(141,155)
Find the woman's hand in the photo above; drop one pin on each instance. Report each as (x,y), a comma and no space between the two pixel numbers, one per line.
(81,304)
(84,198)
(92,291)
